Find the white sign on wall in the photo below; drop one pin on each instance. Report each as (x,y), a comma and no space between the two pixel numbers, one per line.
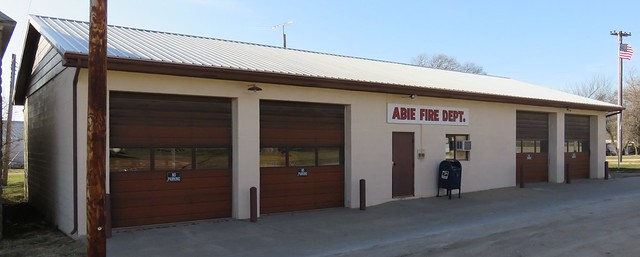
(433,115)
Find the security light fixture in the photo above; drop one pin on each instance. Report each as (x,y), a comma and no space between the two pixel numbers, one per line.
(254,88)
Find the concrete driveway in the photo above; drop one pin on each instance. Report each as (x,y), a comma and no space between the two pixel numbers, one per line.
(585,218)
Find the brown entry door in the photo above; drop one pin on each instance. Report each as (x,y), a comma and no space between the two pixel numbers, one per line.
(402,154)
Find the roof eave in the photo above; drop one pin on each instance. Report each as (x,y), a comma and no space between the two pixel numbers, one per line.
(7,25)
(180,69)
(26,64)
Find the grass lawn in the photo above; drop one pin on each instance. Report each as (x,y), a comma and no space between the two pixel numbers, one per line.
(25,232)
(629,164)
(14,191)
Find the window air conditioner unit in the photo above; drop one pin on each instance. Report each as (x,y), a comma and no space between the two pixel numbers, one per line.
(464,145)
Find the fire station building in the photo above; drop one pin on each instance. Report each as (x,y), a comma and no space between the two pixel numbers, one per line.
(194,123)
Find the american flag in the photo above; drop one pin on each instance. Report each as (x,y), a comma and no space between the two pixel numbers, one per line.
(626,51)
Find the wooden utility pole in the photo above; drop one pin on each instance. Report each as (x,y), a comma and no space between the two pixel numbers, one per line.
(96,130)
(7,141)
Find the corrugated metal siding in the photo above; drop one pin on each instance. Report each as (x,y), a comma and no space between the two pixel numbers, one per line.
(128,43)
(47,65)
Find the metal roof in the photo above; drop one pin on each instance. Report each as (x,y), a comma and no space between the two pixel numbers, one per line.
(71,37)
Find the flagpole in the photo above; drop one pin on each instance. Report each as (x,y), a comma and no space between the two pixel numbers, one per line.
(619,101)
(620,34)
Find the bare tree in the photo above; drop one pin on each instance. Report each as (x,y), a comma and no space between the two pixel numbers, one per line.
(472,68)
(421,60)
(631,114)
(602,88)
(10,145)
(599,88)
(445,62)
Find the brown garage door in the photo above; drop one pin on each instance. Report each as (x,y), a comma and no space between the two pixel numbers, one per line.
(577,131)
(301,156)
(169,158)
(532,137)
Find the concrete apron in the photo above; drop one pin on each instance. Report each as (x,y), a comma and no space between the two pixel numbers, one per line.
(341,230)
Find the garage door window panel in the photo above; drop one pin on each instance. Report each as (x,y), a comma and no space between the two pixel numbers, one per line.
(212,158)
(173,158)
(528,146)
(129,159)
(532,146)
(576,146)
(273,157)
(329,156)
(302,157)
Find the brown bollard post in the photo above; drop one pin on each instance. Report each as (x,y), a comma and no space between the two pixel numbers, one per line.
(363,195)
(522,175)
(606,170)
(107,215)
(567,177)
(253,199)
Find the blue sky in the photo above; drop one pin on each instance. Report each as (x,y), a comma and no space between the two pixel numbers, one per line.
(547,42)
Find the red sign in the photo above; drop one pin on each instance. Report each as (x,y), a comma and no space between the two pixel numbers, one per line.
(435,115)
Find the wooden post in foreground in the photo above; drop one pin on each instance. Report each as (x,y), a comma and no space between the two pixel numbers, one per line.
(8,140)
(96,130)
(521,180)
(363,195)
(253,201)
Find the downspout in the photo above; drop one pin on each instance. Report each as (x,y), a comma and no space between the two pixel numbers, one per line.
(75,151)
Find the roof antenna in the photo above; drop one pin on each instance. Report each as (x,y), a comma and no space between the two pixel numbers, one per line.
(284,36)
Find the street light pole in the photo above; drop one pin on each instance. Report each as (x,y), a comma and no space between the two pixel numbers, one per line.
(620,35)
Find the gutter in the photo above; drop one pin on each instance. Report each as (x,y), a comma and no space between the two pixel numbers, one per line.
(609,114)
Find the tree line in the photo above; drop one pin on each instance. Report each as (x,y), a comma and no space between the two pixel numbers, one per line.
(603,89)
(598,88)
(445,62)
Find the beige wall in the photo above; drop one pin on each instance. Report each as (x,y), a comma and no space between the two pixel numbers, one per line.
(556,147)
(598,146)
(368,136)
